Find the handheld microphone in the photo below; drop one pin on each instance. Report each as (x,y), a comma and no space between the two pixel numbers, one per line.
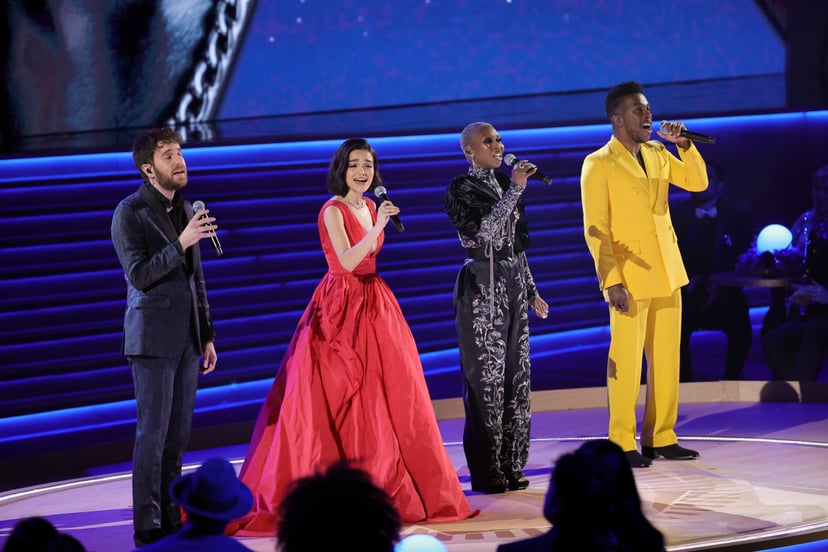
(380,192)
(198,206)
(510,160)
(695,136)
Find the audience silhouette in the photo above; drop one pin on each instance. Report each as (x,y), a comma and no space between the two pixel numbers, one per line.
(795,349)
(712,231)
(211,497)
(322,511)
(37,534)
(593,505)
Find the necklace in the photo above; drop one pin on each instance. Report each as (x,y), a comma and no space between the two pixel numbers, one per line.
(355,205)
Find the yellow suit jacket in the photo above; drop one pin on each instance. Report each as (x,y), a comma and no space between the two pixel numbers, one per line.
(627,222)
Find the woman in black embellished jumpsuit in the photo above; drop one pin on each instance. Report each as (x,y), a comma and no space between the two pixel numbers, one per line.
(493,291)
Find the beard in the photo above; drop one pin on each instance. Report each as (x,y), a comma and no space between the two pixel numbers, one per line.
(169,183)
(641,136)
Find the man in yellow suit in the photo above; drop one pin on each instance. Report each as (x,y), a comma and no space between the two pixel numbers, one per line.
(630,235)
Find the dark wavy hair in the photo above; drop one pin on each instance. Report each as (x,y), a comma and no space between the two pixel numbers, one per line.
(617,92)
(321,510)
(147,142)
(339,166)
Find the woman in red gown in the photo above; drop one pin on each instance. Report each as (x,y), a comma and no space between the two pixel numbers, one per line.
(351,384)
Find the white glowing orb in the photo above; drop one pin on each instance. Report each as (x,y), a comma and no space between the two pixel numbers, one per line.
(420,543)
(773,237)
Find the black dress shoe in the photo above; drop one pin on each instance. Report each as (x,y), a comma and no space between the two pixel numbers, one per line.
(495,487)
(670,452)
(636,460)
(148,536)
(517,483)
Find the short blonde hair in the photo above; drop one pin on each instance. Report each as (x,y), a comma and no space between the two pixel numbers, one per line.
(470,130)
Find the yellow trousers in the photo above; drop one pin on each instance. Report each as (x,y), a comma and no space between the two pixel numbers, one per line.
(654,327)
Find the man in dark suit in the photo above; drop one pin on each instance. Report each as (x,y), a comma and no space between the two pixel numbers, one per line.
(711,233)
(167,324)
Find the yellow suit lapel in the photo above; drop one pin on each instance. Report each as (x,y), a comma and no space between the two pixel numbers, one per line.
(628,163)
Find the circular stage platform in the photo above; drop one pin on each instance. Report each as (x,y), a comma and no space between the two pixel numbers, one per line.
(761,481)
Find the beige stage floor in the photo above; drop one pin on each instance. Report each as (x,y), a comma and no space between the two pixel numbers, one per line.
(761,481)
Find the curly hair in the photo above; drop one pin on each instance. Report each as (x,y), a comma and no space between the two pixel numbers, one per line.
(339,166)
(321,509)
(617,93)
(145,145)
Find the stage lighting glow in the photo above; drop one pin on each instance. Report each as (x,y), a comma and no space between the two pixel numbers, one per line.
(420,543)
(773,237)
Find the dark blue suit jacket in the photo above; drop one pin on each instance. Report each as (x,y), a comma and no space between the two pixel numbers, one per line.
(164,297)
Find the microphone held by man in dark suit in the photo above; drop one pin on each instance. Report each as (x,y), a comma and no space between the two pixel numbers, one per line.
(167,324)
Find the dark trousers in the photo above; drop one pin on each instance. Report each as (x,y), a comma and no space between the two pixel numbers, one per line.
(800,341)
(724,309)
(494,359)
(165,392)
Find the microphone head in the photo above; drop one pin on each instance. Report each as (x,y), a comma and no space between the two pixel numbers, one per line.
(509,159)
(380,191)
(198,205)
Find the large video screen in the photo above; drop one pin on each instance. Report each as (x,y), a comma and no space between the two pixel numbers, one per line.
(304,56)
(94,65)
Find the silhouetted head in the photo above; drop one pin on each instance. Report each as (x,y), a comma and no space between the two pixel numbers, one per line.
(593,502)
(592,481)
(31,535)
(335,510)
(65,543)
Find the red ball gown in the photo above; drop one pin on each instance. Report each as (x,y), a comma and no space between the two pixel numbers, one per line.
(351,385)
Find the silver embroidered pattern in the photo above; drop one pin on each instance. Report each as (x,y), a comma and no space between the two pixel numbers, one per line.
(507,423)
(498,227)
(199,103)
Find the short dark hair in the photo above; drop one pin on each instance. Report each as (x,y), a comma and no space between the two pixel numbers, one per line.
(339,166)
(342,501)
(145,145)
(619,91)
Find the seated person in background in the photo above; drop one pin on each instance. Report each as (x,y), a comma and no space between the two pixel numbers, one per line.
(711,233)
(211,496)
(593,505)
(65,543)
(37,534)
(796,348)
(340,509)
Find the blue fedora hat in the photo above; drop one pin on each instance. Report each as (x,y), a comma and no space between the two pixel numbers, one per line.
(212,491)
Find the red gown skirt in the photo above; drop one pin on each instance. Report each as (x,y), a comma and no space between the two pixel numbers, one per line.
(351,385)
